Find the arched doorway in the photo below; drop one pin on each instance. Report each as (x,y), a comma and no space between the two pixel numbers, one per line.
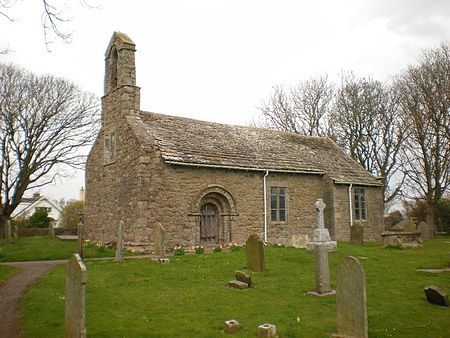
(209,224)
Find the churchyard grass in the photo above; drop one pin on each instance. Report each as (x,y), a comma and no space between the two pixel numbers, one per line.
(190,298)
(7,271)
(45,248)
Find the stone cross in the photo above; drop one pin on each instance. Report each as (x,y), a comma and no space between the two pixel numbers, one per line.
(75,308)
(320,206)
(357,233)
(119,244)
(159,245)
(351,299)
(254,249)
(80,239)
(8,232)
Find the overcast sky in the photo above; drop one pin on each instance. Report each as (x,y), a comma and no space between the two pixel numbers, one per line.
(216,60)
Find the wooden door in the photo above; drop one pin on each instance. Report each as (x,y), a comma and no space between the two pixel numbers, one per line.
(209,227)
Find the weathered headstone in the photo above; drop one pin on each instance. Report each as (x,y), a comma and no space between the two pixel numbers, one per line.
(80,232)
(8,232)
(236,284)
(51,230)
(299,241)
(255,254)
(231,326)
(351,299)
(266,330)
(159,241)
(321,234)
(243,277)
(119,244)
(424,230)
(435,295)
(323,286)
(76,278)
(357,233)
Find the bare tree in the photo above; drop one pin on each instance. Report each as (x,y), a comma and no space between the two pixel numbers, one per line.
(302,110)
(425,103)
(45,122)
(53,18)
(365,122)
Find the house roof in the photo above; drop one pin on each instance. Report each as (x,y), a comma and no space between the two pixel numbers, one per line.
(186,141)
(42,199)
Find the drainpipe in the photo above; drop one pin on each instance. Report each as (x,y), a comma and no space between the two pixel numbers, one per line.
(350,203)
(265,205)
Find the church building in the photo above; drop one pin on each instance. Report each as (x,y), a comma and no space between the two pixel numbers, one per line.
(209,183)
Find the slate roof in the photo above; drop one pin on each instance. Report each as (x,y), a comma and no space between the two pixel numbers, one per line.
(186,141)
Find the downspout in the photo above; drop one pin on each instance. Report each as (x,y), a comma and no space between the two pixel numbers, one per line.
(265,205)
(350,203)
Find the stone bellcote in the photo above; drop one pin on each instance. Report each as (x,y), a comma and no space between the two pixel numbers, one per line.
(120,66)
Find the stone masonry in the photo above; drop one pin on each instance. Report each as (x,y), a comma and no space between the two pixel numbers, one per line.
(138,186)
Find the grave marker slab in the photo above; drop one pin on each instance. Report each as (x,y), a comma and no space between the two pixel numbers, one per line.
(254,248)
(357,233)
(119,245)
(435,295)
(76,278)
(351,299)
(159,241)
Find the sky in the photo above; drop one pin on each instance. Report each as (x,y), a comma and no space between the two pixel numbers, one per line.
(217,60)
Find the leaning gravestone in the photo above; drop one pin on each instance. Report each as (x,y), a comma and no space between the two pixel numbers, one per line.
(80,232)
(255,254)
(159,241)
(51,230)
(424,230)
(76,278)
(351,299)
(356,233)
(435,295)
(8,232)
(119,245)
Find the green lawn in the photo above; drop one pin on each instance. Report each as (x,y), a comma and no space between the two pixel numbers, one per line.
(190,297)
(7,271)
(45,248)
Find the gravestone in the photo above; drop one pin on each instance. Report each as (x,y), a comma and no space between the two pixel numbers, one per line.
(254,249)
(119,245)
(321,234)
(236,284)
(300,241)
(357,233)
(424,230)
(435,295)
(159,241)
(243,277)
(231,326)
(8,232)
(266,330)
(351,299)
(323,286)
(80,232)
(76,278)
(51,230)
(15,230)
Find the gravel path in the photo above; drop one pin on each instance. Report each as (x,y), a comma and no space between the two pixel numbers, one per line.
(12,290)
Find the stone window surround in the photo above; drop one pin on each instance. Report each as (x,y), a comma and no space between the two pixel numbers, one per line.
(109,155)
(359,192)
(279,184)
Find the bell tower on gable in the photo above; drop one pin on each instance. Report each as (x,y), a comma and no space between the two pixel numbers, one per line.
(121,92)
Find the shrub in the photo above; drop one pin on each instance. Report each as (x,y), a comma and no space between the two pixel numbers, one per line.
(178,251)
(70,216)
(39,219)
(199,249)
(218,248)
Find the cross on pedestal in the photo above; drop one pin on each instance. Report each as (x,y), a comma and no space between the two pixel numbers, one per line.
(320,206)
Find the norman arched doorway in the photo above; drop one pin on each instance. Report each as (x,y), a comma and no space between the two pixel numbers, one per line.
(213,213)
(209,224)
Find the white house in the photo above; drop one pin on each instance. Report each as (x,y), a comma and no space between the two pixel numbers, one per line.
(28,206)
